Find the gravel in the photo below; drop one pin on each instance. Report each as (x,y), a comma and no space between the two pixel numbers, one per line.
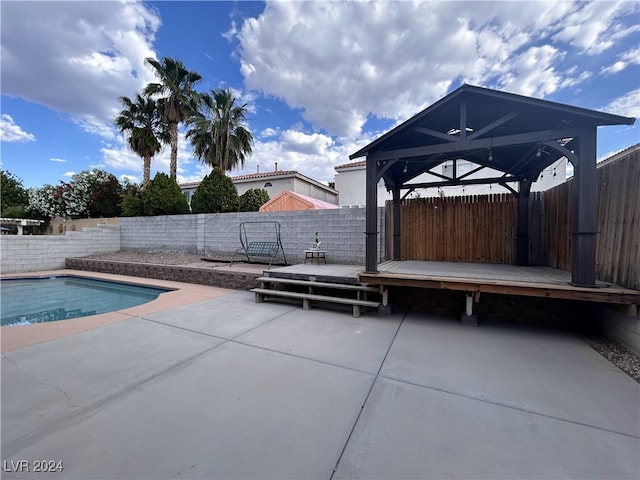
(621,357)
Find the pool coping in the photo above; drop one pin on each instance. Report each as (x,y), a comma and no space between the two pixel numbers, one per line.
(13,337)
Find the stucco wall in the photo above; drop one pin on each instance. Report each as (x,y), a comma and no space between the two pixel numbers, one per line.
(341,232)
(28,253)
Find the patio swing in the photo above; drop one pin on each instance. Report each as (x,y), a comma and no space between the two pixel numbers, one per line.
(268,243)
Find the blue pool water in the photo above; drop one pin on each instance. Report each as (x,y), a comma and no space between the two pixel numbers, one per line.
(36,300)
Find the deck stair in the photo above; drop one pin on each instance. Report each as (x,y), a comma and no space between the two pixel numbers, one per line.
(309,289)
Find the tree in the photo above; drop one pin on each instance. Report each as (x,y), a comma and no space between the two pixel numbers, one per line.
(105,199)
(252,200)
(219,135)
(131,201)
(145,129)
(91,193)
(163,197)
(15,199)
(94,193)
(45,202)
(215,194)
(176,98)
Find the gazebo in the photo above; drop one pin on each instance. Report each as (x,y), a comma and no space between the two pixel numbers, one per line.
(515,135)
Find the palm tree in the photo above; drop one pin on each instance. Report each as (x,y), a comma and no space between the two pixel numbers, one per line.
(219,136)
(145,128)
(176,98)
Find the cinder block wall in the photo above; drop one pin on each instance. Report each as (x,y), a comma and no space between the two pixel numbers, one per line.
(341,232)
(29,253)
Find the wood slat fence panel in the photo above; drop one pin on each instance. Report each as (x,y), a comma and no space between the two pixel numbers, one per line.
(477,228)
(482,228)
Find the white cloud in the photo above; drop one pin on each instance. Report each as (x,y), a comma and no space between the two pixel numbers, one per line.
(58,160)
(77,57)
(625,59)
(342,62)
(268,132)
(594,26)
(117,156)
(68,174)
(627,105)
(315,155)
(299,142)
(11,132)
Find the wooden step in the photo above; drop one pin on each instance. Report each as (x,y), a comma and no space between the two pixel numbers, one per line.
(308,297)
(311,283)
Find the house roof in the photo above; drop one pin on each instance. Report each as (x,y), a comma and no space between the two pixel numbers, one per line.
(257,176)
(345,166)
(278,174)
(311,203)
(621,154)
(514,134)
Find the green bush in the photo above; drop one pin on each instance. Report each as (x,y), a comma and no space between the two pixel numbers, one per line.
(253,199)
(163,197)
(131,201)
(14,196)
(215,194)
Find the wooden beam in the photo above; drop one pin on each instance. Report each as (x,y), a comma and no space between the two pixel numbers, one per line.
(454,182)
(522,227)
(492,125)
(610,294)
(436,134)
(397,252)
(583,246)
(371,221)
(463,120)
(477,144)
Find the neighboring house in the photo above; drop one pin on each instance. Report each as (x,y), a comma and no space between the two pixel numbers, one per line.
(351,181)
(274,183)
(288,200)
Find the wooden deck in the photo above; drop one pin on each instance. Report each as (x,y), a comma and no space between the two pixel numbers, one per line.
(477,278)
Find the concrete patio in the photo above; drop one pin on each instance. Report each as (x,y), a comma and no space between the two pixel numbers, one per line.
(227,388)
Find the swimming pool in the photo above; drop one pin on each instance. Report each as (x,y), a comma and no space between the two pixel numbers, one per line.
(36,300)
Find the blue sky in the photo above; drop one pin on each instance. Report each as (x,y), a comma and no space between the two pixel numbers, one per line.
(322,79)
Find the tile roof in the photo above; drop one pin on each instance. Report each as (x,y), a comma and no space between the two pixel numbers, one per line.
(361,163)
(252,176)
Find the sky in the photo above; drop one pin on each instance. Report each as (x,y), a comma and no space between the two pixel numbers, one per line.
(321,79)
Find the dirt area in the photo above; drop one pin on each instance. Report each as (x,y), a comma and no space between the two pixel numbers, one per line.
(621,357)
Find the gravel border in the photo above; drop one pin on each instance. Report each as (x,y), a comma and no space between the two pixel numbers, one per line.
(621,357)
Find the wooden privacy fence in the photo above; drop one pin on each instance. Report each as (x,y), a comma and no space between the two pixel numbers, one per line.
(618,239)
(476,228)
(482,228)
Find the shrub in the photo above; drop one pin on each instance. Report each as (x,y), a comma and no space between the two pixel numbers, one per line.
(253,199)
(163,197)
(215,194)
(14,196)
(131,201)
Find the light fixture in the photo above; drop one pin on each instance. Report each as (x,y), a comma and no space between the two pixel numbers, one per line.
(404,170)
(490,157)
(539,152)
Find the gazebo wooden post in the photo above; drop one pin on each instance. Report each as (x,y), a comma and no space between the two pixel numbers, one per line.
(371,222)
(396,224)
(522,229)
(585,199)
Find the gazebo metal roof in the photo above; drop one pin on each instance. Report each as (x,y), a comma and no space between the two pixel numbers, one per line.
(516,135)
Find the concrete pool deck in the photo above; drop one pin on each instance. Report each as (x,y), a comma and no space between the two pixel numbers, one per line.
(222,387)
(14,337)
